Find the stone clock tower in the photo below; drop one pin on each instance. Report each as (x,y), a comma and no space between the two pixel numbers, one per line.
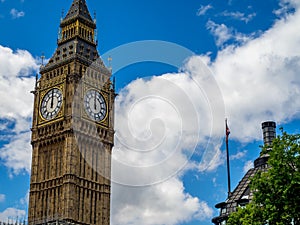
(72,132)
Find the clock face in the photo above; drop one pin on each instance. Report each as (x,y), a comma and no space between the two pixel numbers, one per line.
(95,105)
(51,104)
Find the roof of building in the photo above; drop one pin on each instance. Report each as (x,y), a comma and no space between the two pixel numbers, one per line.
(242,193)
(77,10)
(74,42)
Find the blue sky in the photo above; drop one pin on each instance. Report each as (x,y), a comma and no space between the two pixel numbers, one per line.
(181,68)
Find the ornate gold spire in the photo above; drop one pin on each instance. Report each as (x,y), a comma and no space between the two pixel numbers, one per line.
(78,23)
(79,11)
(77,37)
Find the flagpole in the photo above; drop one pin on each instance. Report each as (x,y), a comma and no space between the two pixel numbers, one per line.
(227,131)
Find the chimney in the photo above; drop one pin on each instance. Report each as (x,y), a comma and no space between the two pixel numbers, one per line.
(269,132)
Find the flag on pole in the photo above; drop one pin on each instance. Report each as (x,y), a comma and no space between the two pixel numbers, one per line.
(227,154)
(227,131)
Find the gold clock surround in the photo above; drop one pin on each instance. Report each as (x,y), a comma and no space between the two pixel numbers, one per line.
(60,114)
(105,121)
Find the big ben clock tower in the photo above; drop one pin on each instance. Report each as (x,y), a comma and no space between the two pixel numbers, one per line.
(72,132)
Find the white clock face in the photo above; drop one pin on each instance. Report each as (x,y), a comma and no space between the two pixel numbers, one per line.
(51,104)
(95,105)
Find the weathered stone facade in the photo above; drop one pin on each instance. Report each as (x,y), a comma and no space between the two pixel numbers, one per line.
(72,131)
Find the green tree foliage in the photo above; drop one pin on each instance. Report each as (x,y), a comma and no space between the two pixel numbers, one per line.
(276,192)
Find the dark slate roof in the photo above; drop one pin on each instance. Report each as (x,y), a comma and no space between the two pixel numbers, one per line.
(79,10)
(241,193)
(70,51)
(76,47)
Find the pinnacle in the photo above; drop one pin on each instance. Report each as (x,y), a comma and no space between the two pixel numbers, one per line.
(78,9)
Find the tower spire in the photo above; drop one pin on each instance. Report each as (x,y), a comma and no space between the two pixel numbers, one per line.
(78,10)
(77,36)
(78,23)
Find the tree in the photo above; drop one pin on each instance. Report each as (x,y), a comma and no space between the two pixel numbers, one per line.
(277,191)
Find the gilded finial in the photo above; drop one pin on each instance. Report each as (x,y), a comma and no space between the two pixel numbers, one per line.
(43,57)
(62,15)
(109,63)
(95,16)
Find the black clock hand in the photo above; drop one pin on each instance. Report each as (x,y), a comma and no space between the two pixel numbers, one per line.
(52,98)
(95,107)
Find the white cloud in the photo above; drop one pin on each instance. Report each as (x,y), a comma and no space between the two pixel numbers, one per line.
(210,161)
(25,200)
(16,14)
(203,9)
(16,82)
(248,165)
(165,203)
(239,16)
(214,181)
(204,212)
(2,197)
(223,34)
(238,155)
(260,79)
(12,215)
(286,7)
(160,122)
(17,154)
(16,64)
